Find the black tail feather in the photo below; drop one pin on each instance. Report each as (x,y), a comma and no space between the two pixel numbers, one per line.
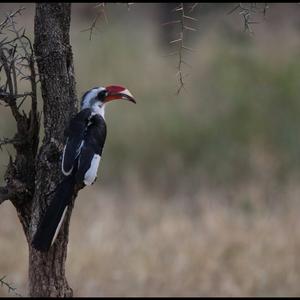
(46,230)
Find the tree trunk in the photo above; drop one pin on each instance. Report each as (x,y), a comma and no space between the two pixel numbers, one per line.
(55,65)
(32,176)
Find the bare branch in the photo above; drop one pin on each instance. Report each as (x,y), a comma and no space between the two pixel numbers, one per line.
(6,97)
(190,18)
(180,41)
(12,189)
(17,61)
(9,82)
(171,54)
(247,12)
(266,6)
(180,75)
(128,6)
(188,49)
(10,16)
(176,41)
(100,14)
(171,22)
(233,9)
(13,141)
(9,286)
(190,28)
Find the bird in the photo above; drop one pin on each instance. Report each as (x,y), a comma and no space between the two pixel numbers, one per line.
(84,141)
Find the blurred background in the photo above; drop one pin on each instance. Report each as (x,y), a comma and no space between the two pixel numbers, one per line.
(197,193)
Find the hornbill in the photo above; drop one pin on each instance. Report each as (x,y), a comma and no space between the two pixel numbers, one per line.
(85,138)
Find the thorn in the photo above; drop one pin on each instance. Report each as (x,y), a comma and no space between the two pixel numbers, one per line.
(182,75)
(189,28)
(102,4)
(128,6)
(191,18)
(175,41)
(187,64)
(234,9)
(188,49)
(171,22)
(171,54)
(193,7)
(3,40)
(177,9)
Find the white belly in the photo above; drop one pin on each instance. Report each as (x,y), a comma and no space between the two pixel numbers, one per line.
(91,173)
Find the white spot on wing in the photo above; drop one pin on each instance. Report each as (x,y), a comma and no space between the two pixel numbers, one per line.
(91,173)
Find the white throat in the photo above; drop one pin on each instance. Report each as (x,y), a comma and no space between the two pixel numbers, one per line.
(97,110)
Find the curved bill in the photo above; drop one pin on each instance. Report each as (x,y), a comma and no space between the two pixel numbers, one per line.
(118,93)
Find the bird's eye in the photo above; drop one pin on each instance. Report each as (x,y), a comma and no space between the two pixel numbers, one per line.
(102,94)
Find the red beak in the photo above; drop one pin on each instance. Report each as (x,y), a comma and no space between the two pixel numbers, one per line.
(117,92)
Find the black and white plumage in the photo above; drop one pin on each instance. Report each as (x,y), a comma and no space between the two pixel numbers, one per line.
(91,151)
(85,139)
(84,145)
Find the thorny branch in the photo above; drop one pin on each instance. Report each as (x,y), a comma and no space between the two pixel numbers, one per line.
(100,15)
(182,23)
(9,286)
(193,7)
(17,63)
(9,17)
(10,191)
(128,6)
(6,141)
(247,11)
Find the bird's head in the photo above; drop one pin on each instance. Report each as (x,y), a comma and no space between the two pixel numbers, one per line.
(97,97)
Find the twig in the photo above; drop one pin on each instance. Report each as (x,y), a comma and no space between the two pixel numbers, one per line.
(128,6)
(6,141)
(18,62)
(193,7)
(10,287)
(8,71)
(180,41)
(10,16)
(247,13)
(179,67)
(100,13)
(6,97)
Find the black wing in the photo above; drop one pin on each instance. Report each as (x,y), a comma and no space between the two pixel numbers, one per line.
(75,136)
(91,151)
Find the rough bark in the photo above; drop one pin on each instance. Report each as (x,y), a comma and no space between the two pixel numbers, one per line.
(55,64)
(33,174)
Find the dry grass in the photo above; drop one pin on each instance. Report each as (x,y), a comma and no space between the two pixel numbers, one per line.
(137,244)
